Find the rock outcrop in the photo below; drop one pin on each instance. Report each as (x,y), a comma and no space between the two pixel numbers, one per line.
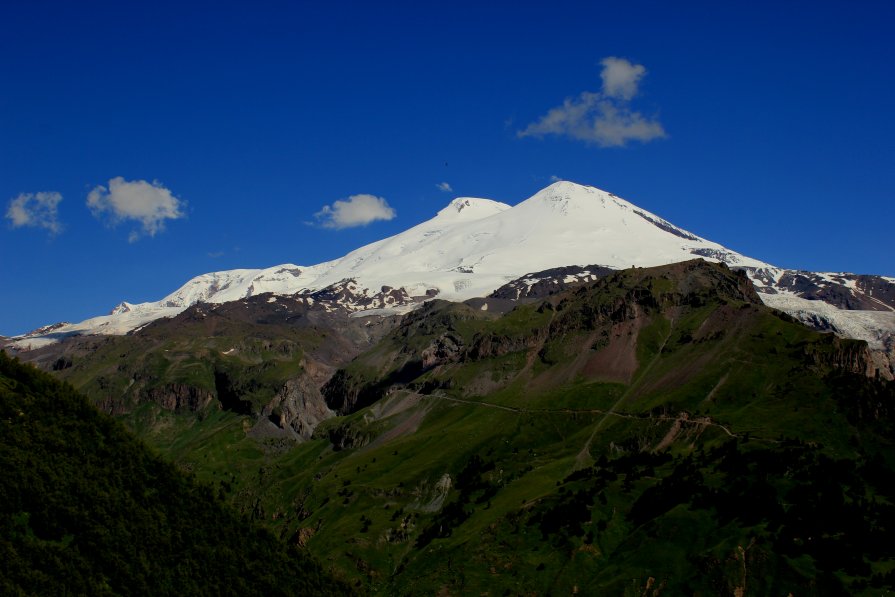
(299,406)
(180,397)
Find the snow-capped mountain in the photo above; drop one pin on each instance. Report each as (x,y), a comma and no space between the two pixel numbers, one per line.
(474,246)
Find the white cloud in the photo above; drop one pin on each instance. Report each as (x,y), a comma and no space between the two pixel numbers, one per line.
(620,77)
(148,203)
(443,186)
(602,118)
(36,210)
(357,210)
(554,178)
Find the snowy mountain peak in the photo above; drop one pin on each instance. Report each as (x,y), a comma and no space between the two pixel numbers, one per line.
(474,246)
(122,307)
(567,187)
(470,248)
(569,191)
(568,198)
(471,208)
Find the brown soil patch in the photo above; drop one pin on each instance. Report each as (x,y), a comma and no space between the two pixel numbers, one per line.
(406,421)
(683,428)
(617,362)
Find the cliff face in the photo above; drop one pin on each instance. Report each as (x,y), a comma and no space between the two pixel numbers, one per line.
(299,406)
(180,397)
(851,356)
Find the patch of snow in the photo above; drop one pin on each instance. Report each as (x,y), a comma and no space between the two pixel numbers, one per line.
(382,312)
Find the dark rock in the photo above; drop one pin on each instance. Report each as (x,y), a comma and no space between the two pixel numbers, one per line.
(299,406)
(180,397)
(666,226)
(548,282)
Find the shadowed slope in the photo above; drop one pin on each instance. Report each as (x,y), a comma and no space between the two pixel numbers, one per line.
(86,509)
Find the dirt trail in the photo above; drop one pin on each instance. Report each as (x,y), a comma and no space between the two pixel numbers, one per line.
(589,411)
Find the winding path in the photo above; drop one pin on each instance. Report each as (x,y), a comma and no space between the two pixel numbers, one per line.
(585,411)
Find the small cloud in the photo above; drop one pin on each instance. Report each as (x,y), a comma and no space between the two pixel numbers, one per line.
(215,254)
(554,178)
(603,118)
(148,203)
(35,210)
(357,210)
(443,186)
(620,77)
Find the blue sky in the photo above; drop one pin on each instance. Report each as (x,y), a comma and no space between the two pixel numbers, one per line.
(144,143)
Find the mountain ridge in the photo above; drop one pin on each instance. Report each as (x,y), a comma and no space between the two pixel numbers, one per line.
(474,246)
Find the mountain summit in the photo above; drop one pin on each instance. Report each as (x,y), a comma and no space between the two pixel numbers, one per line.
(474,246)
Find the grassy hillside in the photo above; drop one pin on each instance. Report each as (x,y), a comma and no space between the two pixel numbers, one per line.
(659,424)
(85,509)
(657,432)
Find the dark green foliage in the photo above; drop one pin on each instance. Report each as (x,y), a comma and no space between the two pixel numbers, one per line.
(676,488)
(85,509)
(565,515)
(472,489)
(798,502)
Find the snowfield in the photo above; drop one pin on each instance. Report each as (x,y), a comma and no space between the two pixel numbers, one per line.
(472,247)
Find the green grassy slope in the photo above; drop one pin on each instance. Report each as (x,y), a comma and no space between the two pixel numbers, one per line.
(740,451)
(657,432)
(85,509)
